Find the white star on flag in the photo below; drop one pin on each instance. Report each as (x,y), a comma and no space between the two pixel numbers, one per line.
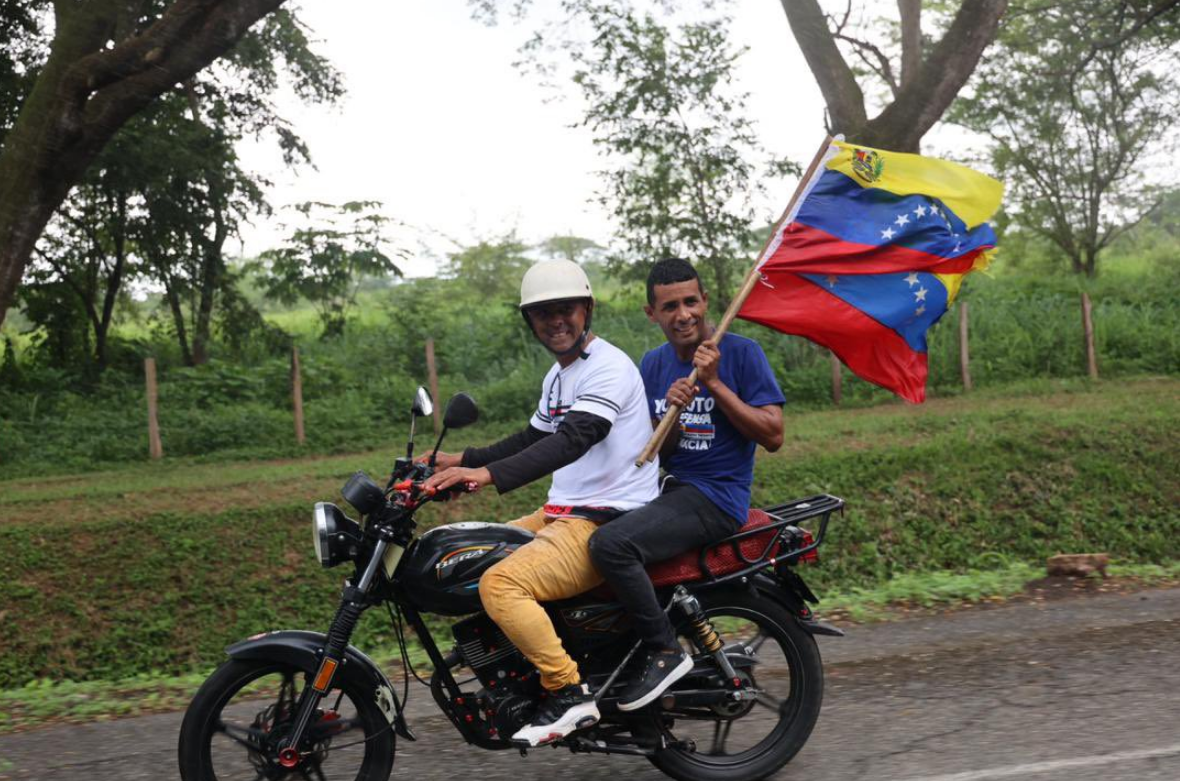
(912,278)
(902,219)
(887,234)
(920,212)
(832,280)
(921,294)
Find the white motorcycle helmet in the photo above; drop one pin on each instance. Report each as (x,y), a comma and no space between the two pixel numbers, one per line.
(557,280)
(553,280)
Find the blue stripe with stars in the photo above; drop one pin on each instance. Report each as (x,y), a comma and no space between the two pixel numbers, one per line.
(909,303)
(864,215)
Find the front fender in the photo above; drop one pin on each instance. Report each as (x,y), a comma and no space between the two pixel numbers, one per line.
(304,649)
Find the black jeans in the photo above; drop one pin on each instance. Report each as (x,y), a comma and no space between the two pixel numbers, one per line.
(680,519)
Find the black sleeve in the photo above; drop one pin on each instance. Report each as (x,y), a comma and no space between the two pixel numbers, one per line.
(578,432)
(475,457)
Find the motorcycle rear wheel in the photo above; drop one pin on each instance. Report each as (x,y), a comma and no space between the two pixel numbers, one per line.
(788,677)
(234,723)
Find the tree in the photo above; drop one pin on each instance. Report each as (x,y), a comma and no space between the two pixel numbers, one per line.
(86,257)
(922,78)
(1082,120)
(919,77)
(662,105)
(84,90)
(493,269)
(325,261)
(182,190)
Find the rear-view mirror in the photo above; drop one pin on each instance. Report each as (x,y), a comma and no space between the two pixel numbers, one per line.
(423,404)
(461,411)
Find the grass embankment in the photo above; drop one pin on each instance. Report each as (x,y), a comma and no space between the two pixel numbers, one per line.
(156,569)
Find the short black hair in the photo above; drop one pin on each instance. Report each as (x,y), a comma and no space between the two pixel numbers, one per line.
(669,271)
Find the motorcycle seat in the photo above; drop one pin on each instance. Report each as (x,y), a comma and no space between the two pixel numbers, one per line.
(721,559)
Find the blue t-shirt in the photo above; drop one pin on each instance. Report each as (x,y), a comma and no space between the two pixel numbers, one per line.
(712,454)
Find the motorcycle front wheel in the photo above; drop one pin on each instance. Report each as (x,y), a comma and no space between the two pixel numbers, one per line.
(237,721)
(752,738)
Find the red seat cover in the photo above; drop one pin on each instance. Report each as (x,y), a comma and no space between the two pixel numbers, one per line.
(721,560)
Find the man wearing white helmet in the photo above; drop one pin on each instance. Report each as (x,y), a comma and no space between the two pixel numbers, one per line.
(591,420)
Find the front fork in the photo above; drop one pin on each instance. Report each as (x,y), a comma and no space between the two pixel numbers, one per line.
(353,603)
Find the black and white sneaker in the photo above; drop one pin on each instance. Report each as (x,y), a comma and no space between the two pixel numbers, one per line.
(562,712)
(661,670)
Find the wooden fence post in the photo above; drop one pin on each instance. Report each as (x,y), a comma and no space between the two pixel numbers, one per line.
(432,375)
(155,447)
(964,353)
(297,395)
(1088,327)
(837,380)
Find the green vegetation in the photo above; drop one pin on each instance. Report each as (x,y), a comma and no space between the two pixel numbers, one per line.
(356,385)
(156,568)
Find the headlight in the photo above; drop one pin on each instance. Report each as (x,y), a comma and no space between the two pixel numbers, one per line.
(335,535)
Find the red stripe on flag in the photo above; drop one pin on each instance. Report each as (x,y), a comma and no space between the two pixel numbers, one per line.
(873,351)
(813,251)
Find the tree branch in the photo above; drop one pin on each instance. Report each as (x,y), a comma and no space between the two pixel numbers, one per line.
(922,100)
(910,14)
(844,98)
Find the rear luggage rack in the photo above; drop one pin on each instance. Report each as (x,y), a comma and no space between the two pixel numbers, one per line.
(782,532)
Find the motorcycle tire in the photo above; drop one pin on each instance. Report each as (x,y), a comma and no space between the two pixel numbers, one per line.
(796,666)
(368,740)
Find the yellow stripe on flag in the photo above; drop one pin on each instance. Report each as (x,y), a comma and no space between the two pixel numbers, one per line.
(973,196)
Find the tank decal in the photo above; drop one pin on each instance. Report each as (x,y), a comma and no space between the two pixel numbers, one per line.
(460,555)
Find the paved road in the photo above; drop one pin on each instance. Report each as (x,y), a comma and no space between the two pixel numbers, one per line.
(1079,690)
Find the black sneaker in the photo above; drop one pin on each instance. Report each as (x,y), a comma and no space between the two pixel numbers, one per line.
(660,670)
(562,712)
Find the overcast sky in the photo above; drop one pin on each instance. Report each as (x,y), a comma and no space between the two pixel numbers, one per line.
(459,144)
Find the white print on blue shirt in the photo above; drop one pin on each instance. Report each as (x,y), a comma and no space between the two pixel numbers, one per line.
(696,423)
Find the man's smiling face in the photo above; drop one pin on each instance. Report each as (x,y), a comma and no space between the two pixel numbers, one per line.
(679,309)
(558,324)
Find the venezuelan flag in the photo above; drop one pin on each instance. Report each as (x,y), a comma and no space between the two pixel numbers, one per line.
(872,255)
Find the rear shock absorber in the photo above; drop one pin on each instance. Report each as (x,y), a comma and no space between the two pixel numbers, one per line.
(705,635)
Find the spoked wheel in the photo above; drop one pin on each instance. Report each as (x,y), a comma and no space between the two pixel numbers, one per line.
(781,677)
(237,723)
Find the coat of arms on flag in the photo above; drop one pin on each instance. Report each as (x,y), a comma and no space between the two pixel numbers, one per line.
(872,255)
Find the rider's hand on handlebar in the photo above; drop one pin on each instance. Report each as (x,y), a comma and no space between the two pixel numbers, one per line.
(444,460)
(455,475)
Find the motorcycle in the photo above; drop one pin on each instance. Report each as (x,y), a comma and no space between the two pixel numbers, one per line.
(308,704)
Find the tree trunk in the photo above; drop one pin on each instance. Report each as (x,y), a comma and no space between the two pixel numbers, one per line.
(173,297)
(212,275)
(927,88)
(86,92)
(114,282)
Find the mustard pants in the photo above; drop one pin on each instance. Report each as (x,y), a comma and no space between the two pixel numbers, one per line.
(555,565)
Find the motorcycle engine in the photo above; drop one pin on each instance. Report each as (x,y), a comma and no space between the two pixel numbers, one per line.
(511,684)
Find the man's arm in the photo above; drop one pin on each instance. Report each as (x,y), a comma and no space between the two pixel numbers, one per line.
(763,425)
(506,447)
(578,432)
(475,457)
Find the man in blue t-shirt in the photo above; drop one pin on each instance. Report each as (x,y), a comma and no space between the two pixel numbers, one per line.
(709,458)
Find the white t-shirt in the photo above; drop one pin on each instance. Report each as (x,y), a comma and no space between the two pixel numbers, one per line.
(604,383)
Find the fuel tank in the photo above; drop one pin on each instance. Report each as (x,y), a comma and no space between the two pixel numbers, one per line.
(441,571)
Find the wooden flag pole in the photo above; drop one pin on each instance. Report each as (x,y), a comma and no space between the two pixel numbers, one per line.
(673,413)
